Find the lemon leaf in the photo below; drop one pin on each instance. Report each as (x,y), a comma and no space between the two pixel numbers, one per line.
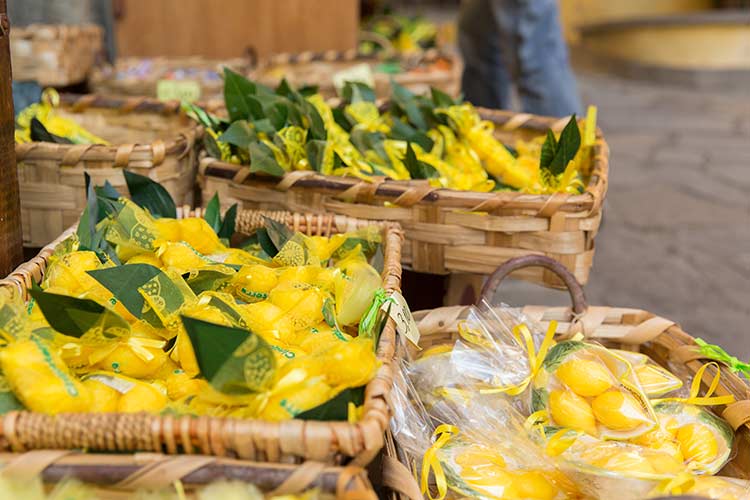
(149,194)
(124,281)
(212,215)
(336,408)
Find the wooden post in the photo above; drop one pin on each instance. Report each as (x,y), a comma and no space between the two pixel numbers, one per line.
(11,238)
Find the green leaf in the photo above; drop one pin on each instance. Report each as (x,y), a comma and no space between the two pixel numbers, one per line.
(567,147)
(539,399)
(263,160)
(284,89)
(238,91)
(278,233)
(239,134)
(107,191)
(202,116)
(557,354)
(233,360)
(212,213)
(265,242)
(315,150)
(39,133)
(211,147)
(229,224)
(335,409)
(418,169)
(87,224)
(406,100)
(9,403)
(277,114)
(440,98)
(73,316)
(357,92)
(151,195)
(377,261)
(308,90)
(264,125)
(549,148)
(208,279)
(124,282)
(317,126)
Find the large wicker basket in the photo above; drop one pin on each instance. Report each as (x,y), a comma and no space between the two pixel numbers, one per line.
(54,55)
(447,231)
(433,68)
(147,137)
(117,476)
(287,441)
(122,78)
(631,329)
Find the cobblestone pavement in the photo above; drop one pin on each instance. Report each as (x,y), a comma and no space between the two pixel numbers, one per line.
(675,238)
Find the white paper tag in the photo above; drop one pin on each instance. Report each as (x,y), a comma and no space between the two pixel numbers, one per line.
(399,311)
(178,90)
(120,385)
(361,73)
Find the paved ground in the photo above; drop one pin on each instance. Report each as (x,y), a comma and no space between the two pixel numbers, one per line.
(675,238)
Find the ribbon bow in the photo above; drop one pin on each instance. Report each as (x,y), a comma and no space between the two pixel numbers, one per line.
(430,462)
(707,399)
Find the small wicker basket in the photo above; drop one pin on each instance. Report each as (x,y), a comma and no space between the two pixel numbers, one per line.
(55,55)
(447,231)
(286,441)
(118,476)
(624,328)
(147,137)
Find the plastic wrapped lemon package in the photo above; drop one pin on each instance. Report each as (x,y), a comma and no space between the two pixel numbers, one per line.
(713,487)
(654,380)
(355,286)
(583,386)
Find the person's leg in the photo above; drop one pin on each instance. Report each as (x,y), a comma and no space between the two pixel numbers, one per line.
(546,83)
(486,80)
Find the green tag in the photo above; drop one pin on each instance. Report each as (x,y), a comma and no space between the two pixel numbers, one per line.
(178,90)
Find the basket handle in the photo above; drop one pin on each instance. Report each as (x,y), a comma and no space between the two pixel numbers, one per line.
(575,289)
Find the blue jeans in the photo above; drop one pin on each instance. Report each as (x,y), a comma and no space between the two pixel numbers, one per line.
(516,41)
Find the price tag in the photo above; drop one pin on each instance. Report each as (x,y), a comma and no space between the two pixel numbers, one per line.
(361,73)
(120,385)
(398,309)
(180,90)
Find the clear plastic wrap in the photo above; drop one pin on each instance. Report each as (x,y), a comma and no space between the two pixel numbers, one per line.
(654,380)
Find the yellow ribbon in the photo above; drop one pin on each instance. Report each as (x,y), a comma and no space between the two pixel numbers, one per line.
(430,462)
(139,344)
(708,399)
(536,358)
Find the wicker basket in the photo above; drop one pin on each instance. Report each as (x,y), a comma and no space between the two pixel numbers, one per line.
(287,441)
(54,55)
(447,231)
(105,79)
(148,137)
(630,329)
(433,68)
(117,476)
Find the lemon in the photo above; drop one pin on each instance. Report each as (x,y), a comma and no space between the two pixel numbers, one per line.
(184,355)
(532,484)
(303,306)
(698,443)
(103,397)
(351,364)
(124,359)
(655,380)
(626,461)
(146,258)
(288,403)
(142,397)
(168,229)
(571,410)
(180,257)
(299,274)
(664,463)
(268,321)
(199,235)
(180,385)
(585,377)
(618,410)
(253,283)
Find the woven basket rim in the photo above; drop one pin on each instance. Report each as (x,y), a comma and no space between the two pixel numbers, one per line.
(121,154)
(363,438)
(590,201)
(33,30)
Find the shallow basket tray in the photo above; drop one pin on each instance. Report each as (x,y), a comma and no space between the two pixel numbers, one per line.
(147,137)
(447,231)
(624,328)
(248,439)
(54,55)
(118,476)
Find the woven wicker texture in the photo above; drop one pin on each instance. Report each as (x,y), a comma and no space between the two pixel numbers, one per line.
(447,231)
(147,137)
(318,68)
(288,441)
(55,55)
(104,79)
(11,252)
(117,476)
(625,328)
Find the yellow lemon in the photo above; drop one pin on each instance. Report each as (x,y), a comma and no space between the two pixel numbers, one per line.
(668,424)
(137,362)
(180,257)
(180,385)
(268,321)
(671,448)
(168,229)
(479,457)
(142,397)
(184,355)
(303,306)
(299,274)
(199,235)
(698,443)
(533,484)
(103,397)
(40,379)
(626,461)
(146,258)
(618,410)
(292,401)
(585,377)
(236,256)
(253,283)
(568,409)
(351,364)
(655,380)
(663,463)
(319,337)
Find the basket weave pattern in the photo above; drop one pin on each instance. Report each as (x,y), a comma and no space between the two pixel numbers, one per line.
(447,230)
(54,55)
(287,441)
(148,137)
